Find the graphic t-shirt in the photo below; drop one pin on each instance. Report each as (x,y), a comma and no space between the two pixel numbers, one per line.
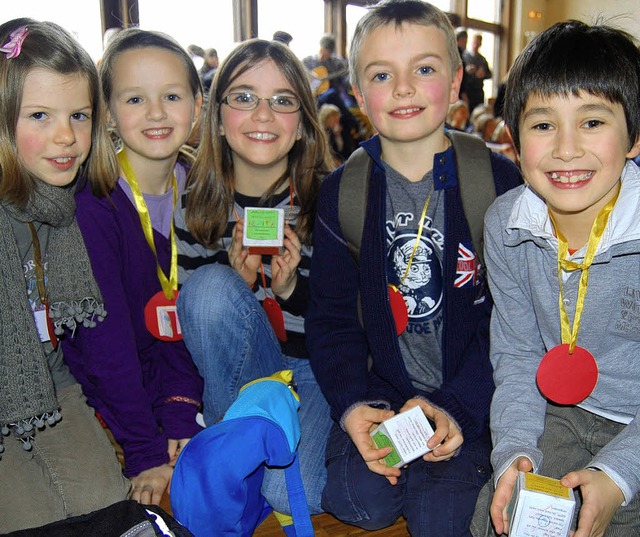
(415,268)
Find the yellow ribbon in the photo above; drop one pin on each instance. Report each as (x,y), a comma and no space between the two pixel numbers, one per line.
(570,335)
(169,285)
(417,243)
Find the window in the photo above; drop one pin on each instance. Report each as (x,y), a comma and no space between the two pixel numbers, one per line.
(303,20)
(80,18)
(196,22)
(484,10)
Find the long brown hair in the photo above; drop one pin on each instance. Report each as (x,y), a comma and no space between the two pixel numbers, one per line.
(210,183)
(46,46)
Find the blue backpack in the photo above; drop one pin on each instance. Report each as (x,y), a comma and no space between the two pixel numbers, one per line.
(215,489)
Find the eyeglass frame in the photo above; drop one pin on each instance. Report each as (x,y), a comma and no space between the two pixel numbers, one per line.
(270,100)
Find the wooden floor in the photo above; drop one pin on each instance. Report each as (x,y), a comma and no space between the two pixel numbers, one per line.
(327,526)
(324,525)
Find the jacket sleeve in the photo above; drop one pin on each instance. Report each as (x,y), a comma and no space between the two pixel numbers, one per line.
(108,363)
(517,410)
(335,339)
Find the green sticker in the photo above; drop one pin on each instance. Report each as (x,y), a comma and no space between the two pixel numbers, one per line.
(382,440)
(262,225)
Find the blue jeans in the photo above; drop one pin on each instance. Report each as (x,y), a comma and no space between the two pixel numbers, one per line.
(435,498)
(231,343)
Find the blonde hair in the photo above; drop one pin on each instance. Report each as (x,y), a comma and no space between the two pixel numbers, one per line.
(326,111)
(135,38)
(397,12)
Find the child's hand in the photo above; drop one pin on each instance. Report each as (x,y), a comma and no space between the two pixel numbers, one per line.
(502,495)
(284,273)
(446,432)
(358,424)
(244,264)
(149,486)
(175,447)
(601,498)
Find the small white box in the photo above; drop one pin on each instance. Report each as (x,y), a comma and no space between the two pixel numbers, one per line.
(540,507)
(263,231)
(407,433)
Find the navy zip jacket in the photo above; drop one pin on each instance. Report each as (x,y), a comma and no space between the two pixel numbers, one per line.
(355,365)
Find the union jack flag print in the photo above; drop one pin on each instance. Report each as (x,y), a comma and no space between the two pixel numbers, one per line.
(467,267)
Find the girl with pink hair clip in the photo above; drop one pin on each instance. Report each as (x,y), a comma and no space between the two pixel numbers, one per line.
(55,460)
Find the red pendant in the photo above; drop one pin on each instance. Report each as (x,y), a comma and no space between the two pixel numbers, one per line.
(275,316)
(567,379)
(398,309)
(161,317)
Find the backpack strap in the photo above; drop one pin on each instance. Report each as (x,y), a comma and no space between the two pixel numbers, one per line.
(297,500)
(475,180)
(352,199)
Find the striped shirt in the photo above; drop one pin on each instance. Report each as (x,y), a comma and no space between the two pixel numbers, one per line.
(192,255)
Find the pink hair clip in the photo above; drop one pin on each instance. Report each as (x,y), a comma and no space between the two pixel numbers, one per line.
(13,47)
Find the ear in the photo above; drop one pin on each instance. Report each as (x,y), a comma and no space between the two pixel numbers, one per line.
(197,109)
(111,122)
(221,130)
(515,149)
(299,132)
(359,99)
(635,149)
(455,86)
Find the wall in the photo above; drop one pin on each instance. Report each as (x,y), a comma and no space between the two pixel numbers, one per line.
(622,13)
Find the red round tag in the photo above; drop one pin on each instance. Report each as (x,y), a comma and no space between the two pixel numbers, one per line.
(161,317)
(399,309)
(275,316)
(567,379)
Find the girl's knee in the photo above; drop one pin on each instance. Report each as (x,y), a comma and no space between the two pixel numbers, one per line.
(213,288)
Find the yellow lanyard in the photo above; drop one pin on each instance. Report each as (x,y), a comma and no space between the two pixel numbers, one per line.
(169,285)
(570,335)
(417,243)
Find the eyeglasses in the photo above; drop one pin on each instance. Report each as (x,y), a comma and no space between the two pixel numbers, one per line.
(242,100)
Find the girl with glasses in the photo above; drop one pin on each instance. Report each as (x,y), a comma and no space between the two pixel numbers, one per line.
(243,314)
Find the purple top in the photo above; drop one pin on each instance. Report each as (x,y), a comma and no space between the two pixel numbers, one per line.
(146,390)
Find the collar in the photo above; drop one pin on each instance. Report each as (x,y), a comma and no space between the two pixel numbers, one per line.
(444,163)
(529,213)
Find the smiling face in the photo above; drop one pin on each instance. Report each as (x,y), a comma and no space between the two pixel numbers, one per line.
(152,104)
(573,150)
(53,132)
(260,138)
(406,83)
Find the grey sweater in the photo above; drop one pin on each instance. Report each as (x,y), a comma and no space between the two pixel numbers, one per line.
(521,258)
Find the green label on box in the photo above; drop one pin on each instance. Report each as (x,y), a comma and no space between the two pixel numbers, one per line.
(381,441)
(262,225)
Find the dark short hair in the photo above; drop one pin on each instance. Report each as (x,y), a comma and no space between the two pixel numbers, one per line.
(283,37)
(572,57)
(461,34)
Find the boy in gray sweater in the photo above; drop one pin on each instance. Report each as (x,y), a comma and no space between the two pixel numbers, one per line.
(563,258)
